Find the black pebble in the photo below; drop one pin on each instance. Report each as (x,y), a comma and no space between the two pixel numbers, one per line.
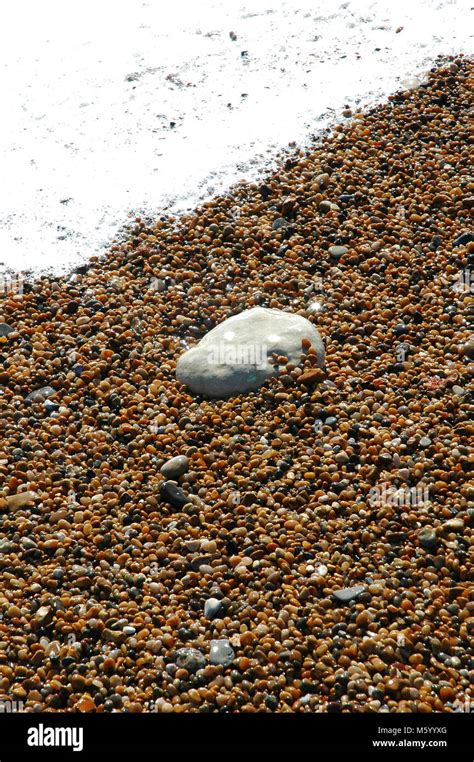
(400,329)
(170,492)
(271,702)
(463,239)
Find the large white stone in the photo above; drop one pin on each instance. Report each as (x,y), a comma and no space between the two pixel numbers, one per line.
(235,357)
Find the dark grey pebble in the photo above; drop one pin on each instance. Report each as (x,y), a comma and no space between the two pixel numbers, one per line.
(27,544)
(199,561)
(5,329)
(72,307)
(469,349)
(400,329)
(173,494)
(175,467)
(49,406)
(463,239)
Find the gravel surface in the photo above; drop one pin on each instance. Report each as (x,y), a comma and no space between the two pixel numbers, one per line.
(310,550)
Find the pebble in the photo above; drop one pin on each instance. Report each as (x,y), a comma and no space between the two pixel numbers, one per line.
(27,543)
(233,357)
(463,239)
(454,525)
(336,252)
(173,494)
(21,500)
(190,659)
(44,615)
(175,467)
(311,377)
(6,546)
(85,704)
(427,537)
(347,594)
(221,652)
(39,395)
(212,608)
(50,406)
(5,329)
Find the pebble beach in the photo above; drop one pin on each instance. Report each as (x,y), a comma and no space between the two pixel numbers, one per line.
(302,547)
